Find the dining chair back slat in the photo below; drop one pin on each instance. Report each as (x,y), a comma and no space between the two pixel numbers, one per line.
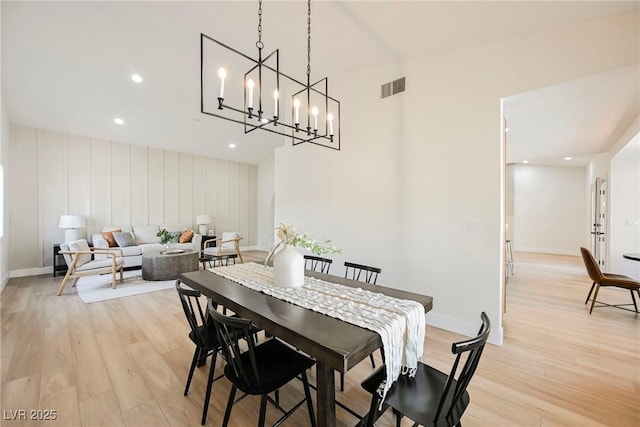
(361,273)
(316,263)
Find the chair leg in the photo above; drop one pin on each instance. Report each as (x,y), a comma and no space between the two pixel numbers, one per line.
(590,291)
(64,282)
(595,297)
(113,278)
(307,395)
(263,410)
(633,297)
(277,395)
(207,396)
(227,412)
(122,273)
(196,353)
(75,282)
(373,408)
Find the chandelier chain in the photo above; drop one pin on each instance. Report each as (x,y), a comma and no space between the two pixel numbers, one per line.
(309,37)
(259,43)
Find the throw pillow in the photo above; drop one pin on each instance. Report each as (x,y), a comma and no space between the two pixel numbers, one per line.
(108,236)
(80,245)
(124,238)
(146,234)
(186,236)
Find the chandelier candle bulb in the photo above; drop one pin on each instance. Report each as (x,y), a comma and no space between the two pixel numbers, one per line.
(296,104)
(330,120)
(314,111)
(222,73)
(250,85)
(275,103)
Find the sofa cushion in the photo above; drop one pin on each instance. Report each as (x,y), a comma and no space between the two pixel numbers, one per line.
(100,264)
(80,245)
(146,234)
(186,236)
(108,236)
(145,248)
(124,239)
(131,251)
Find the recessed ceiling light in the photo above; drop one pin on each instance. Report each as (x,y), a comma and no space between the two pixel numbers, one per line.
(232,146)
(567,158)
(525,161)
(136,78)
(118,121)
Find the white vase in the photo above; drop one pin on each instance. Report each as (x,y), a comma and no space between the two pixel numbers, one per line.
(288,268)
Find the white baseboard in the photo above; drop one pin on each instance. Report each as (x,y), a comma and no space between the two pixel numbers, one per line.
(464,327)
(575,252)
(4,281)
(254,248)
(36,271)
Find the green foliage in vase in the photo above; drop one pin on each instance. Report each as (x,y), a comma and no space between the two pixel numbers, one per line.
(288,235)
(166,236)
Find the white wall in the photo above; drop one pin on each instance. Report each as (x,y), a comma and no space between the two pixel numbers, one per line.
(416,167)
(549,209)
(624,209)
(4,161)
(266,201)
(111,183)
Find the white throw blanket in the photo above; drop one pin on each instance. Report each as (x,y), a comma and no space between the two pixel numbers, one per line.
(400,323)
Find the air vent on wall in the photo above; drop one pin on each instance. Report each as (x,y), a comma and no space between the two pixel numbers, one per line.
(392,88)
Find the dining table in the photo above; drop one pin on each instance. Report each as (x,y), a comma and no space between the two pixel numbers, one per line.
(334,344)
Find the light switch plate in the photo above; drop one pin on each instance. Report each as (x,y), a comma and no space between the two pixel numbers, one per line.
(474,225)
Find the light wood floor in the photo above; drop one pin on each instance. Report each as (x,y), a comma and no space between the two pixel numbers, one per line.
(125,361)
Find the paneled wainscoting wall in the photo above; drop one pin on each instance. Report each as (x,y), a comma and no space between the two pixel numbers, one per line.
(113,183)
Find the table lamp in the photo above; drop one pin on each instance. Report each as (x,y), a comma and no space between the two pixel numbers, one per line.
(73,225)
(203,221)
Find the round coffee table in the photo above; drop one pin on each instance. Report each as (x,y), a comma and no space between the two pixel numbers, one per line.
(161,266)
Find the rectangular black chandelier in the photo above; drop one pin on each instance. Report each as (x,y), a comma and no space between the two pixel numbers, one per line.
(255,97)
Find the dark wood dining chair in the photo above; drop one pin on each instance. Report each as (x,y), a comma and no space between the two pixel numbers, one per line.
(601,279)
(204,336)
(261,369)
(361,273)
(432,397)
(317,263)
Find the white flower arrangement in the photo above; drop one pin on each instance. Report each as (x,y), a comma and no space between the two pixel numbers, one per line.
(288,235)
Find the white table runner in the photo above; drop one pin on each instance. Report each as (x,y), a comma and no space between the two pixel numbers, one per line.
(400,323)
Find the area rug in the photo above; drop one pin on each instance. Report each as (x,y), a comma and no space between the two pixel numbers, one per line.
(98,288)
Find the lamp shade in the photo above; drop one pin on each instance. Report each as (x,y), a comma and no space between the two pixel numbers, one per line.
(72,221)
(203,219)
(72,225)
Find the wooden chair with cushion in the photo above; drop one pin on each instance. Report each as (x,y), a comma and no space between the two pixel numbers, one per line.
(607,279)
(432,397)
(228,243)
(78,256)
(260,369)
(316,263)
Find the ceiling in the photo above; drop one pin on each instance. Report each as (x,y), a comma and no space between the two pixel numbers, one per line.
(66,66)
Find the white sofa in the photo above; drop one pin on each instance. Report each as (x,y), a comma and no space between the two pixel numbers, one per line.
(146,241)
